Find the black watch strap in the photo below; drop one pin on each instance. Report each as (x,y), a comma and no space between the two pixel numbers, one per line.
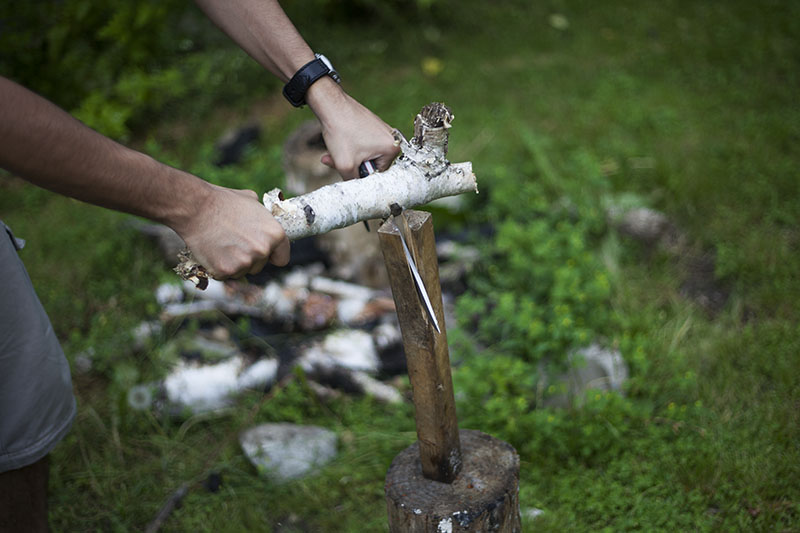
(295,90)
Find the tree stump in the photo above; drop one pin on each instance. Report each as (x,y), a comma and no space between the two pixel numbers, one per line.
(483,497)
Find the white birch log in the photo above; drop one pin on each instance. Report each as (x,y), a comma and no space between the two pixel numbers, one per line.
(338,205)
(419,176)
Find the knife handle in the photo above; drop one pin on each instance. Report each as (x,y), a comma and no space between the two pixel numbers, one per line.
(366,168)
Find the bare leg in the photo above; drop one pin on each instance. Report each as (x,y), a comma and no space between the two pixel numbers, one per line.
(23,498)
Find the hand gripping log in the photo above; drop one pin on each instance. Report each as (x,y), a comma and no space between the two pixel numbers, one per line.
(420,175)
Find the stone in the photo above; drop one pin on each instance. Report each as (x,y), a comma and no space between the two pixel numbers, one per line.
(590,368)
(531,513)
(283,451)
(644,224)
(612,370)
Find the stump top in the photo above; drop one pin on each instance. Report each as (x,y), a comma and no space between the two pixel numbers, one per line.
(488,476)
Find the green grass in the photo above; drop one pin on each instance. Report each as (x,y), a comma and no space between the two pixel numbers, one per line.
(690,106)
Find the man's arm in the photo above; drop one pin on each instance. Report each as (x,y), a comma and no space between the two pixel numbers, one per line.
(352,133)
(228,231)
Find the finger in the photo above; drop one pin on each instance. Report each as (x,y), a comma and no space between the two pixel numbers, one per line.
(327,160)
(348,172)
(258,266)
(281,253)
(383,162)
(247,193)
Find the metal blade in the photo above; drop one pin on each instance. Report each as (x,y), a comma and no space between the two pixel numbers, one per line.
(365,169)
(420,286)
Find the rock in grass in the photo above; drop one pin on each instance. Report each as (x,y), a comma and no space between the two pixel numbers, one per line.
(591,368)
(644,224)
(283,452)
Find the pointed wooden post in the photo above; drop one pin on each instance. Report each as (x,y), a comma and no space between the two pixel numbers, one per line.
(426,350)
(448,481)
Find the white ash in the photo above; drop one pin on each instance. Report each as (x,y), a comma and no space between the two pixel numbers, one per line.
(279,301)
(301,276)
(350,310)
(348,349)
(323,392)
(341,289)
(144,332)
(202,388)
(213,349)
(386,335)
(377,389)
(258,375)
(168,293)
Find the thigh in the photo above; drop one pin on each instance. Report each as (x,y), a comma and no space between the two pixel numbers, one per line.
(23,498)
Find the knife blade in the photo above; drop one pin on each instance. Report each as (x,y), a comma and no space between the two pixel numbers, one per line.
(412,265)
(365,169)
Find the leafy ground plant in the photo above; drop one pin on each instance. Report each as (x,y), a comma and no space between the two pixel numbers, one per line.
(688,107)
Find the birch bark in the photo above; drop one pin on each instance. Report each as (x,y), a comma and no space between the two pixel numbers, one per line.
(420,175)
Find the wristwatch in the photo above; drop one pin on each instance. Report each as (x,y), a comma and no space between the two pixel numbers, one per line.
(295,90)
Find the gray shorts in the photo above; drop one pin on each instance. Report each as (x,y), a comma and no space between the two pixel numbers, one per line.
(36,402)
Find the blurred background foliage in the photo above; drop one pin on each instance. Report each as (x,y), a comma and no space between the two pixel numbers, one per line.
(566,108)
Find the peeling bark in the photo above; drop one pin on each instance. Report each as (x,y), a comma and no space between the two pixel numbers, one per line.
(420,175)
(342,204)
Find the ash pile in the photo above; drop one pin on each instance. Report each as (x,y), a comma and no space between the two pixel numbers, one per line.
(330,313)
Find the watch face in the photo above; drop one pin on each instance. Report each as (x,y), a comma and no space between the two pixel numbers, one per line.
(331,71)
(326,61)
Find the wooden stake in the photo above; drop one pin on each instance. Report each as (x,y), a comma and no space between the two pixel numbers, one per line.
(426,350)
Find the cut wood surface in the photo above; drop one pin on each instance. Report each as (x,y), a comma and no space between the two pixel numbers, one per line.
(483,497)
(426,349)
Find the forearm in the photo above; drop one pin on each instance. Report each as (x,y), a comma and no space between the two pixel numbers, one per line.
(352,133)
(48,147)
(263,30)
